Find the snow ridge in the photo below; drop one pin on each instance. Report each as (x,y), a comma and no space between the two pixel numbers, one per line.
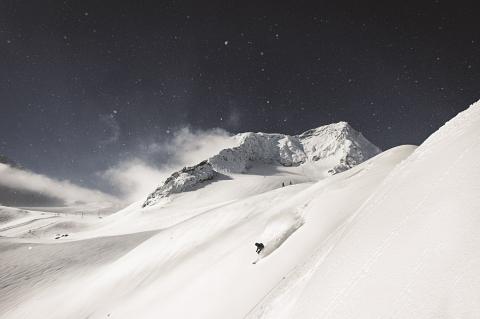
(336,147)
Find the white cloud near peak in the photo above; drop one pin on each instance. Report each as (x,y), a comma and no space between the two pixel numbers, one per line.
(136,177)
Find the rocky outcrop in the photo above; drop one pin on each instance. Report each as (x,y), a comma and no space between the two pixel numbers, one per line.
(186,179)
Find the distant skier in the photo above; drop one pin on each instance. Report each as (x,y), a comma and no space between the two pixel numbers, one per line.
(283,184)
(260,247)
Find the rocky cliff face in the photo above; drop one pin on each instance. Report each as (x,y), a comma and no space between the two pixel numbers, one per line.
(184,180)
(337,147)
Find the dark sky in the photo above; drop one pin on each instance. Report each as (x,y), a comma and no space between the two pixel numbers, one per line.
(83,82)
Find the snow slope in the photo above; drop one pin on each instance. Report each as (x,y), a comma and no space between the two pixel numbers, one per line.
(411,251)
(393,237)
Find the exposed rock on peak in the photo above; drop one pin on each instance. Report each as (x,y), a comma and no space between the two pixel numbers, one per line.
(183,180)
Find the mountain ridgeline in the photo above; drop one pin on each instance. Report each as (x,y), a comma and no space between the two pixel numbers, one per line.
(330,149)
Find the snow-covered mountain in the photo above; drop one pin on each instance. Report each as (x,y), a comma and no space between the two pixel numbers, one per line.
(395,236)
(330,149)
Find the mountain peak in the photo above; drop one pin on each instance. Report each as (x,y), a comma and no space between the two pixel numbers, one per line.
(330,149)
(338,139)
(332,128)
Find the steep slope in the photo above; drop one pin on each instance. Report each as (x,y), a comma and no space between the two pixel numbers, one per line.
(411,251)
(329,149)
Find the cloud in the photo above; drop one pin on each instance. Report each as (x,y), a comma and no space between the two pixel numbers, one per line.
(189,147)
(138,176)
(134,178)
(32,183)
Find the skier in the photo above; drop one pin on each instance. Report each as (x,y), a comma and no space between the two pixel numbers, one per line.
(260,247)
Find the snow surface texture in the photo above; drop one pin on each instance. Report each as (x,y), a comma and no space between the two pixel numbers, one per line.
(393,237)
(333,148)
